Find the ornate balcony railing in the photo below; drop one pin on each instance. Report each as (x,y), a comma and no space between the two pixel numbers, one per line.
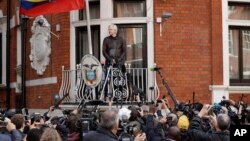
(136,79)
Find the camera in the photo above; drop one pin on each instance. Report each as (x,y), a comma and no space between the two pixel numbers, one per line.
(3,124)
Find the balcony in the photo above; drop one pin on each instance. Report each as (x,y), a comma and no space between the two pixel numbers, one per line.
(138,82)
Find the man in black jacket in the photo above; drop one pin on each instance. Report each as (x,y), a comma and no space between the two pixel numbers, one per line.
(108,128)
(114,51)
(220,126)
(114,48)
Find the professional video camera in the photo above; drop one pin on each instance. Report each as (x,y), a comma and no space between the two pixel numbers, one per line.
(3,123)
(126,134)
(89,115)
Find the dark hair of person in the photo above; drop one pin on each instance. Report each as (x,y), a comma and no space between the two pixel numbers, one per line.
(134,114)
(18,120)
(34,134)
(72,123)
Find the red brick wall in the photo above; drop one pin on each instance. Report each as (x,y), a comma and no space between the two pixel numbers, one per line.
(217,58)
(185,49)
(3,7)
(41,96)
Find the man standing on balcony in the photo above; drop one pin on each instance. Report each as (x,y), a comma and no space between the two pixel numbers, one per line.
(114,48)
(114,51)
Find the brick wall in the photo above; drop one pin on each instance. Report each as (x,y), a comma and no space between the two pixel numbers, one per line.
(185,49)
(41,96)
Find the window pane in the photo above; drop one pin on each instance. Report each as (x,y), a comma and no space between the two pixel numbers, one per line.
(234,54)
(129,8)
(94,11)
(82,47)
(246,53)
(135,41)
(239,12)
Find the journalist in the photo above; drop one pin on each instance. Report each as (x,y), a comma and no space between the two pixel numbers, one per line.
(219,131)
(108,128)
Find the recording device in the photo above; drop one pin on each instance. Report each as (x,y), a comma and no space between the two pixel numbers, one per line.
(155,69)
(169,119)
(127,130)
(25,113)
(3,124)
(86,125)
(211,111)
(35,117)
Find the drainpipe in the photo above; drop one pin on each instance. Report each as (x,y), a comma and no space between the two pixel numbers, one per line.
(23,56)
(8,56)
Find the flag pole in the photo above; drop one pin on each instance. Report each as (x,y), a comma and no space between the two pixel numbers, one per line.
(88,27)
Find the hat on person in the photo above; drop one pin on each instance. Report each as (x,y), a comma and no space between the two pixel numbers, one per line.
(183,122)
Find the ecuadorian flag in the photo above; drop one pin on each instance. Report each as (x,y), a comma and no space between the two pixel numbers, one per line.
(44,7)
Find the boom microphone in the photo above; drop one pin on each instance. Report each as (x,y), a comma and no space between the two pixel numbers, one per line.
(155,69)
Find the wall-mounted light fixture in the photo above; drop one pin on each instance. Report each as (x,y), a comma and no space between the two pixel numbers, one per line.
(163,18)
(58,27)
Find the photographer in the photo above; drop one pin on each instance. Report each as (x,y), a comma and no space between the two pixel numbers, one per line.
(220,126)
(108,128)
(74,133)
(58,123)
(19,121)
(12,135)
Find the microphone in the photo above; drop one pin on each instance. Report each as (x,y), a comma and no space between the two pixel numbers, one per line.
(155,69)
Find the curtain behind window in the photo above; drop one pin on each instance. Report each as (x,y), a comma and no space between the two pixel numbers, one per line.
(82,47)
(129,8)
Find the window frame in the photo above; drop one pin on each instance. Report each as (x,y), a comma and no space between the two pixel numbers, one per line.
(94,28)
(240,81)
(91,3)
(128,1)
(144,38)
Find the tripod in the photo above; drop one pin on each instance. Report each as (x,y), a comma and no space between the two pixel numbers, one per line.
(165,83)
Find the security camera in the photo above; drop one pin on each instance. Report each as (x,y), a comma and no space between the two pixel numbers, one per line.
(40,22)
(167,15)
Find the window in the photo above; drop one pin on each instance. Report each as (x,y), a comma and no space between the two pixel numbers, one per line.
(135,37)
(238,11)
(129,8)
(94,11)
(1,59)
(239,60)
(82,42)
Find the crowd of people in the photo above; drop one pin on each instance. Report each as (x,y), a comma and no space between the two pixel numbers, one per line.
(147,122)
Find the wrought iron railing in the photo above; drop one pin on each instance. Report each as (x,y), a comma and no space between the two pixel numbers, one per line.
(136,82)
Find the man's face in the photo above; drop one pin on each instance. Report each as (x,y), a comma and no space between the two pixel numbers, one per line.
(111,30)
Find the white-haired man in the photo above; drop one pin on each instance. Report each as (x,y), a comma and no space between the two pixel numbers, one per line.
(114,48)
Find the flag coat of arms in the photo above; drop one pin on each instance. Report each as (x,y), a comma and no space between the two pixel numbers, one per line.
(34,8)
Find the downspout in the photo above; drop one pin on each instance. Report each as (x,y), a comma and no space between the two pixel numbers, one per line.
(8,56)
(23,56)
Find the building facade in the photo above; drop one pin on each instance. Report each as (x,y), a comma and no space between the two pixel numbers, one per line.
(201,46)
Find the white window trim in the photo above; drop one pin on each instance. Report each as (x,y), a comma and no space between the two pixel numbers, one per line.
(224,90)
